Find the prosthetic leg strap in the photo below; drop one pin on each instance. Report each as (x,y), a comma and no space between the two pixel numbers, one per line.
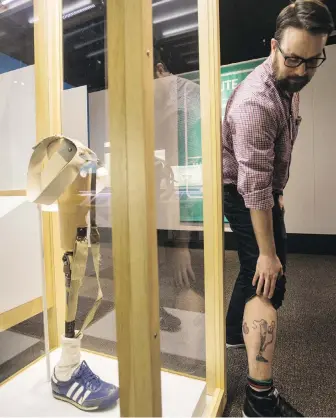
(77,265)
(95,250)
(84,241)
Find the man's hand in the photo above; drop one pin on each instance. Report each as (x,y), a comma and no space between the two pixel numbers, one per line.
(268,264)
(267,272)
(180,260)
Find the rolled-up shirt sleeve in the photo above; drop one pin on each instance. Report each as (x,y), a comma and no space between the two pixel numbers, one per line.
(253,127)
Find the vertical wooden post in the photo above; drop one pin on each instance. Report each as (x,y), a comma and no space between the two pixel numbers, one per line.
(212,194)
(48,49)
(131,133)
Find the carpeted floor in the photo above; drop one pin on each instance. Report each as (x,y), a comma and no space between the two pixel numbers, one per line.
(304,363)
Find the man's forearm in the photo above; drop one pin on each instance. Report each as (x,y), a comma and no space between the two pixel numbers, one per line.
(262,221)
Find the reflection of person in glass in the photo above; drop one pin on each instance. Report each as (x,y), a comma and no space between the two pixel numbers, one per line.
(259,130)
(189,291)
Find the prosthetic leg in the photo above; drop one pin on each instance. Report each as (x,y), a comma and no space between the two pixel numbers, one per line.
(70,175)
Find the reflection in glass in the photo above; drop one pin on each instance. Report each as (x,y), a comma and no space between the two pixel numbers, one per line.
(84,79)
(21,261)
(179,194)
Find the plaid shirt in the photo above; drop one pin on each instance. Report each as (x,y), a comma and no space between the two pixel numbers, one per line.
(259,130)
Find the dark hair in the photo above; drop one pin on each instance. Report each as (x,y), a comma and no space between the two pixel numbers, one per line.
(157,59)
(311,15)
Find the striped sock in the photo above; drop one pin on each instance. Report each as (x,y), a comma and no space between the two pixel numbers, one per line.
(260,385)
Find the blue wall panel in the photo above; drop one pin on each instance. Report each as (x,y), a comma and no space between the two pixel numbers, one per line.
(8,64)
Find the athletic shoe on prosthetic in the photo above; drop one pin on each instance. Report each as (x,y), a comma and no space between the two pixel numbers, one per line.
(85,390)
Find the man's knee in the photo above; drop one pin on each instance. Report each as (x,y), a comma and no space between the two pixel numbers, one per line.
(263,300)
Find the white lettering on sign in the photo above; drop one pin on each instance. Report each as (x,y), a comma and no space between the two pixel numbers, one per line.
(228,85)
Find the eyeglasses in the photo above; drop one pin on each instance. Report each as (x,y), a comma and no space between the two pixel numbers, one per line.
(294,62)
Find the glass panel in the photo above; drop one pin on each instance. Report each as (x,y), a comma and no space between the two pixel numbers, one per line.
(84,119)
(17,93)
(21,259)
(179,185)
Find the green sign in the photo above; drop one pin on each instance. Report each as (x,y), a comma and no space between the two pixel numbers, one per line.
(190,141)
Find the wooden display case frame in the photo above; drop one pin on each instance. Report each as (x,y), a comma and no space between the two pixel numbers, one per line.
(131,135)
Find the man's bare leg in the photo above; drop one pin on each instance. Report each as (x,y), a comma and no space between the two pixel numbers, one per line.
(259,330)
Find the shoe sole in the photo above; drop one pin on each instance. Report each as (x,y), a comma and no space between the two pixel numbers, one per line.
(81,407)
(235,345)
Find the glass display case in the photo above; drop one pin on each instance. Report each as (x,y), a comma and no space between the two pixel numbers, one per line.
(120,204)
(21,258)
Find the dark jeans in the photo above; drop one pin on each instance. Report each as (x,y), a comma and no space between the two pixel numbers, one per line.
(240,222)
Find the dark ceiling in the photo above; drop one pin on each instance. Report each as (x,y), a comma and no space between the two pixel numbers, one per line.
(246,28)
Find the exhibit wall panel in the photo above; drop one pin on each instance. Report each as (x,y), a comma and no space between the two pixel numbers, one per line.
(325,144)
(20,253)
(21,257)
(75,114)
(98,122)
(300,192)
(166,148)
(309,198)
(99,143)
(18,125)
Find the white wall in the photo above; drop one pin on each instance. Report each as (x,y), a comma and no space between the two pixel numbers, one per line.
(299,193)
(17,126)
(325,145)
(21,255)
(98,144)
(17,123)
(98,122)
(310,195)
(166,143)
(74,114)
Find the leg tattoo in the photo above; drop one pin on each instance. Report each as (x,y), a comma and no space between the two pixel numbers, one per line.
(265,331)
(246,329)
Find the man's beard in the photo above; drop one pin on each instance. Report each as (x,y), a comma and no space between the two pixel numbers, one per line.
(291,84)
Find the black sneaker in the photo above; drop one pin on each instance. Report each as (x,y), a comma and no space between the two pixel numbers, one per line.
(235,342)
(169,322)
(271,405)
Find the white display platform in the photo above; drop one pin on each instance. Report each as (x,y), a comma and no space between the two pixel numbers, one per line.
(29,394)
